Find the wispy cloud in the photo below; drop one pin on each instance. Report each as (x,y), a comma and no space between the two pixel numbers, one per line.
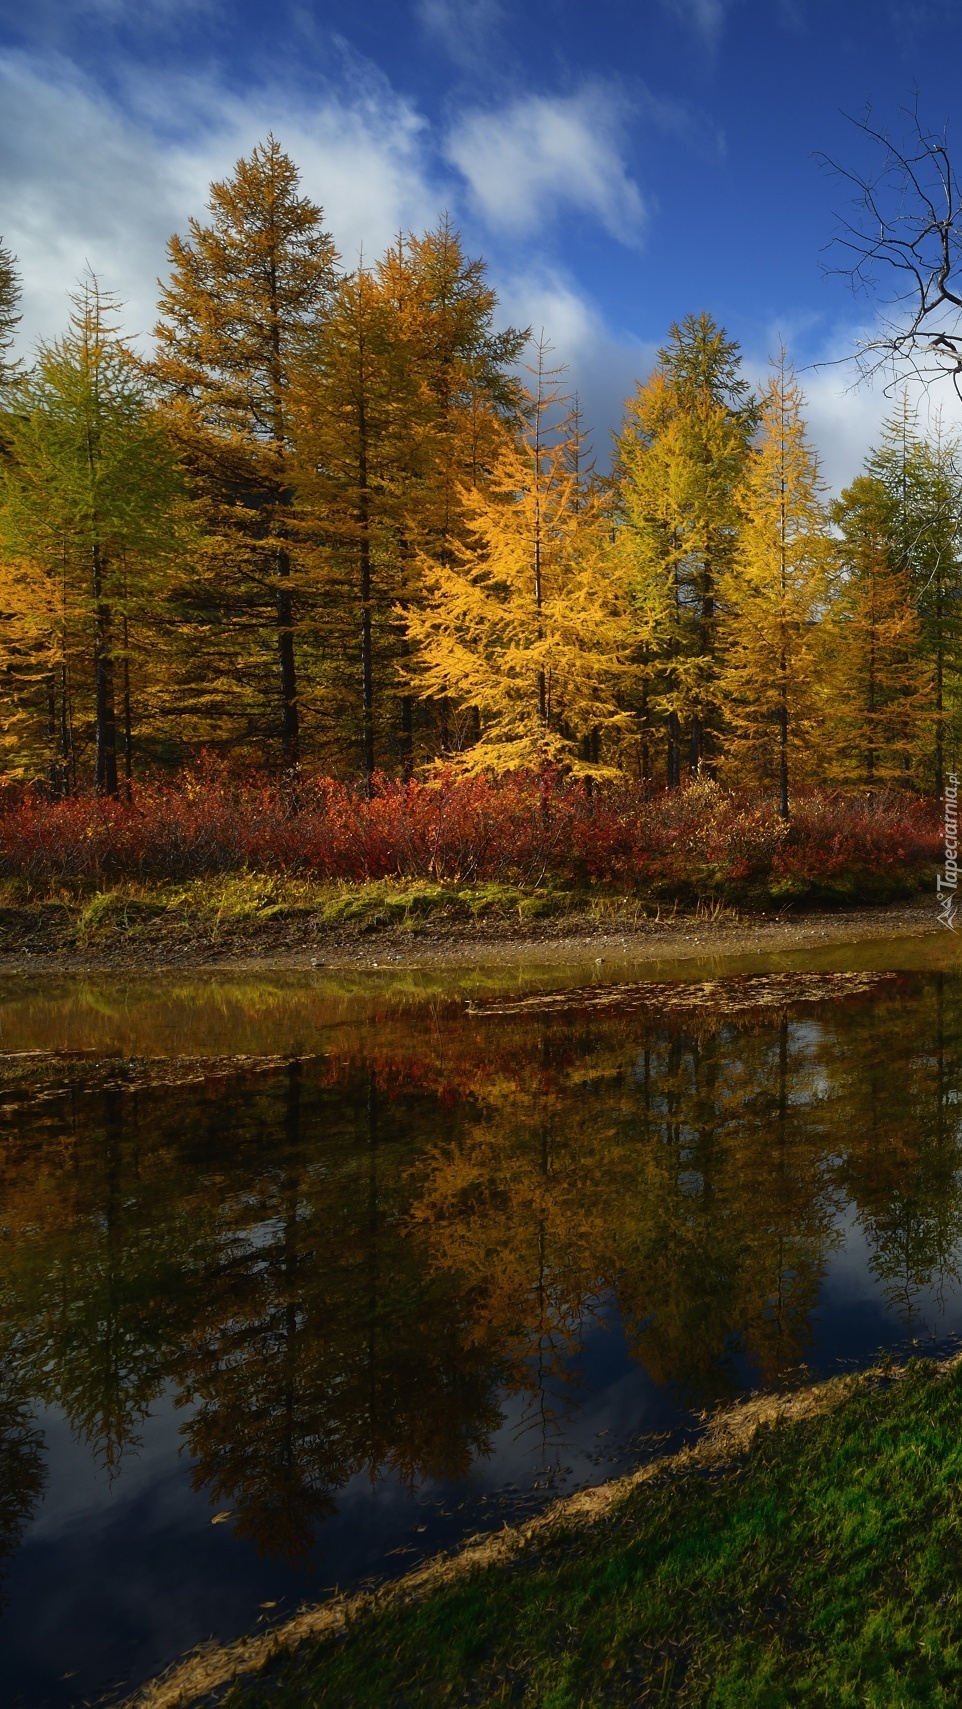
(464,28)
(705,17)
(527,160)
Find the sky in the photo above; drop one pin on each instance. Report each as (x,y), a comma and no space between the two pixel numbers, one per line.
(619,163)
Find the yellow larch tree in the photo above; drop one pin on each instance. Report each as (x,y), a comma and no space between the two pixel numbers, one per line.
(773,636)
(354,402)
(399,399)
(680,459)
(462,391)
(9,316)
(882,690)
(524,627)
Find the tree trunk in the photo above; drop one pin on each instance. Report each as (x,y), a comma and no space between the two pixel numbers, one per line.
(674,751)
(695,748)
(290,721)
(939,712)
(407,737)
(66,742)
(783,750)
(105,716)
(54,769)
(128,722)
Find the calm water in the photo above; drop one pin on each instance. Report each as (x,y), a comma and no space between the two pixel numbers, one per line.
(416,1262)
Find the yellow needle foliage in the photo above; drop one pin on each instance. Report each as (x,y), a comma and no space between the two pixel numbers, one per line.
(680,462)
(245,291)
(526,625)
(774,641)
(883,696)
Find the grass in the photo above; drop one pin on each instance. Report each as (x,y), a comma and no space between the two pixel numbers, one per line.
(822,1567)
(209,906)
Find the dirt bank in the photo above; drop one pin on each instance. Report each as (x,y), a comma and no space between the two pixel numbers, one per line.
(44,938)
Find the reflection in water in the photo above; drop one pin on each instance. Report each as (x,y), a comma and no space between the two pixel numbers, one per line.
(359,1264)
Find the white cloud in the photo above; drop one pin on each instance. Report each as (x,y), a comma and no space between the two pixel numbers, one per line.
(601,367)
(525,161)
(85,184)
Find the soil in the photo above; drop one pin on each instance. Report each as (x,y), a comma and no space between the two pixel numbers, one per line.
(46,939)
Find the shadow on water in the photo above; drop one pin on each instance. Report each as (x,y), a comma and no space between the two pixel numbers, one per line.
(411,1265)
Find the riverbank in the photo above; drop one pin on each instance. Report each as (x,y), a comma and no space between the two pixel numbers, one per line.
(252,921)
(804,1551)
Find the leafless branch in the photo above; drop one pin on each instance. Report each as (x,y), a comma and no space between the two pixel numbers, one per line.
(902,242)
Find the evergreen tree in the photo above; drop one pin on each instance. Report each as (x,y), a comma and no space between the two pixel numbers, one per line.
(882,691)
(244,293)
(90,521)
(773,642)
(681,458)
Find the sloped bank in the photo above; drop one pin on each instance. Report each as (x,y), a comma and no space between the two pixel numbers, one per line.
(806,1550)
(253,920)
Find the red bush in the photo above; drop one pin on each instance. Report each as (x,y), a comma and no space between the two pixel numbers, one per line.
(519,830)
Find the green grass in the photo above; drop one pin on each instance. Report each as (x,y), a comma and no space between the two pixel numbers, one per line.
(824,1568)
(90,913)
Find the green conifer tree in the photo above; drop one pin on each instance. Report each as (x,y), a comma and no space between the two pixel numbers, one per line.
(90,524)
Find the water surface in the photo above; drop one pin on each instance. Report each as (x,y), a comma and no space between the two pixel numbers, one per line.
(302,1278)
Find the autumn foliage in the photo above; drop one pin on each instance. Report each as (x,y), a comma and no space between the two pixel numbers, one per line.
(350,523)
(535,833)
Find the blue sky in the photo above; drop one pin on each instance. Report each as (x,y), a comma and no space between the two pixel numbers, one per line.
(619,164)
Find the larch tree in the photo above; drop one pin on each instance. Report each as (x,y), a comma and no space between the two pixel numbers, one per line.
(9,316)
(523,623)
(680,461)
(356,411)
(881,687)
(400,399)
(773,597)
(90,524)
(465,390)
(923,478)
(245,291)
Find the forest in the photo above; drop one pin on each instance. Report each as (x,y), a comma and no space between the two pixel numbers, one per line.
(338,526)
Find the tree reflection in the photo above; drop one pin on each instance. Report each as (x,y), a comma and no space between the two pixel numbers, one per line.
(348,1267)
(22,1470)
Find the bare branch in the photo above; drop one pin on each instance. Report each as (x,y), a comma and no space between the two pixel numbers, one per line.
(902,243)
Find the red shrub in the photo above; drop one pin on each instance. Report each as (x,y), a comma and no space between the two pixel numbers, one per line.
(519,830)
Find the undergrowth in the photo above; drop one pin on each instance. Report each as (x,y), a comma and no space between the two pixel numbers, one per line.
(469,842)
